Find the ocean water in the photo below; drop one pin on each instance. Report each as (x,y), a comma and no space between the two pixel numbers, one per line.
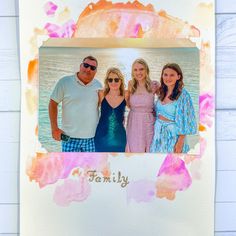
(54,63)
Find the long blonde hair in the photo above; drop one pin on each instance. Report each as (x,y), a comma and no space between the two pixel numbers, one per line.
(116,71)
(134,83)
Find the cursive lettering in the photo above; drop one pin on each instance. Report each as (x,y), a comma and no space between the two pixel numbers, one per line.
(114,178)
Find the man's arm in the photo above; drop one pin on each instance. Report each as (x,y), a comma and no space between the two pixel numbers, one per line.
(53,112)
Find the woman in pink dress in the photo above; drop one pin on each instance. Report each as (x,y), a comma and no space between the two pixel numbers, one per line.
(140,124)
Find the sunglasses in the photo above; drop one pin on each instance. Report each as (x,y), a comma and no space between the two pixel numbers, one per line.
(86,65)
(110,80)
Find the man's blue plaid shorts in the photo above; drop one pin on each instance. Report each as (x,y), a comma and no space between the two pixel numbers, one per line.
(78,145)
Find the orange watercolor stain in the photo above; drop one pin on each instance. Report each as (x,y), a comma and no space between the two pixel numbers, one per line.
(106,172)
(36,130)
(114,154)
(156,24)
(107,5)
(33,71)
(162,13)
(202,127)
(165,193)
(113,26)
(76,172)
(40,155)
(33,171)
(206,44)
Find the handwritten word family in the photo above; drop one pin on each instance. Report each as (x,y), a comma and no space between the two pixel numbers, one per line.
(114,178)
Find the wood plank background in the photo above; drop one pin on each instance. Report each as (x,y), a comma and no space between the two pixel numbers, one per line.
(225,204)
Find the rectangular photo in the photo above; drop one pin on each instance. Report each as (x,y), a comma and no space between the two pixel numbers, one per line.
(119,95)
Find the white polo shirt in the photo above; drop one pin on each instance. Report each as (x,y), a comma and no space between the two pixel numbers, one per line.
(79,106)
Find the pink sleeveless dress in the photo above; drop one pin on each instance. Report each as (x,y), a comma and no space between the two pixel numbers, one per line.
(140,124)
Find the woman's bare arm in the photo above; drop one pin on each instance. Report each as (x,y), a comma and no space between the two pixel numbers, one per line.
(100,96)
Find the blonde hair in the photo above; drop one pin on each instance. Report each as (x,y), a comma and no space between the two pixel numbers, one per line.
(120,76)
(134,83)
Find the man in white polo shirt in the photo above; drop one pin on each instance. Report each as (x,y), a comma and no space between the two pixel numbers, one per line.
(79,96)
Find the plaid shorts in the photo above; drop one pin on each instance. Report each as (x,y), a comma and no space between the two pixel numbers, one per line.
(78,145)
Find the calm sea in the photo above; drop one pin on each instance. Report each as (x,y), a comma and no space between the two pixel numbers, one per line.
(54,63)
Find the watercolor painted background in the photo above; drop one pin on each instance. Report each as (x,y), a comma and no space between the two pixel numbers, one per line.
(58,196)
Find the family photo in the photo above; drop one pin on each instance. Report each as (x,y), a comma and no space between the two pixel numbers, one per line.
(138,100)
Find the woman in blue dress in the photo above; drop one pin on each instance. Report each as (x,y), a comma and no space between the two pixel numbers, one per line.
(110,134)
(175,116)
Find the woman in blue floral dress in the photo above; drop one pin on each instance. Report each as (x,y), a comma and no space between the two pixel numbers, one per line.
(175,116)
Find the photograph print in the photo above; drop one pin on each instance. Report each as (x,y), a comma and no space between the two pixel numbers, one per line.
(118,98)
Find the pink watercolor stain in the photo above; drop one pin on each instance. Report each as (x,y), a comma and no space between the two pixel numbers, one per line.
(72,190)
(203,145)
(141,191)
(173,176)
(195,169)
(57,31)
(51,167)
(50,8)
(206,108)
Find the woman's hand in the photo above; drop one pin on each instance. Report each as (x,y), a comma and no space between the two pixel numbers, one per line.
(179,144)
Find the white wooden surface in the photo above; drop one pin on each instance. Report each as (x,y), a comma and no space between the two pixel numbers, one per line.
(225,218)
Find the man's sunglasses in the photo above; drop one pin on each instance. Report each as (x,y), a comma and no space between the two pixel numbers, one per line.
(110,80)
(86,65)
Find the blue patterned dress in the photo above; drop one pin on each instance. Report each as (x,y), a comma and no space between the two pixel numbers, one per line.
(110,134)
(182,122)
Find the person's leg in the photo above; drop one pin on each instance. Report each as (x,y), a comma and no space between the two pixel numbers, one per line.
(88,145)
